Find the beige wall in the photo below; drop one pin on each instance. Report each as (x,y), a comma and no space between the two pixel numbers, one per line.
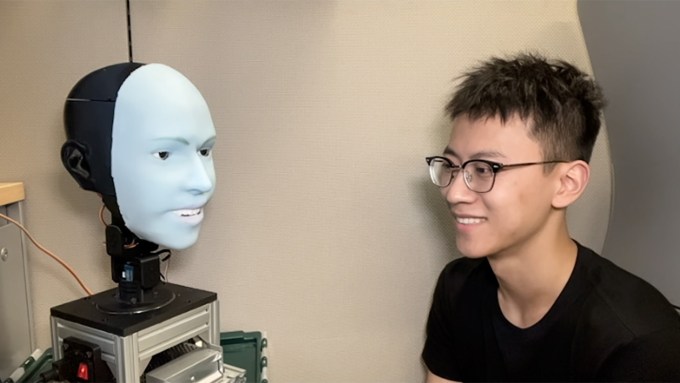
(324,230)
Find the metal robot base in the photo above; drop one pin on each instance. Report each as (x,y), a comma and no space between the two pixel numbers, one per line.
(128,341)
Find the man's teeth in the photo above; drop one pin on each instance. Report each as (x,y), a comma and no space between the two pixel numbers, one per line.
(188,212)
(469,221)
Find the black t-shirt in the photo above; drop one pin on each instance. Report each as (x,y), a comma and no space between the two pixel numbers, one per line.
(607,324)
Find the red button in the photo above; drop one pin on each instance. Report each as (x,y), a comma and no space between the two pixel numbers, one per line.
(83,371)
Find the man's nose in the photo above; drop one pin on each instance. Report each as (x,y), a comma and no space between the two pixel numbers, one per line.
(457,191)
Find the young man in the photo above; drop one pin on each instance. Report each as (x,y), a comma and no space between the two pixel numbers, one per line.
(527,302)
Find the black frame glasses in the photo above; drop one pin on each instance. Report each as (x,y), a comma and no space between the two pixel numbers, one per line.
(439,164)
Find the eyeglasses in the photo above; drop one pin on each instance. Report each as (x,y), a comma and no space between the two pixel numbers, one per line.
(479,175)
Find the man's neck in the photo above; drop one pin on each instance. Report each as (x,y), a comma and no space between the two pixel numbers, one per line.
(531,278)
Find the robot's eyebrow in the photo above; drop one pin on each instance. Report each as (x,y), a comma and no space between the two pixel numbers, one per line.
(184,141)
(181,140)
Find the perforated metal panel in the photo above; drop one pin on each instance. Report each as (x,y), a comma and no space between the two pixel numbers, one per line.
(16,331)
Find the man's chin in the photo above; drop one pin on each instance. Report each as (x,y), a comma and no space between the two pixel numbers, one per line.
(472,253)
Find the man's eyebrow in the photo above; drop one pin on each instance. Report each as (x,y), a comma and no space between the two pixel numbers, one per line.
(487,154)
(448,150)
(479,155)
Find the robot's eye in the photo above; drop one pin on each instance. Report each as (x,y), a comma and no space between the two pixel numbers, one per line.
(162,155)
(205,152)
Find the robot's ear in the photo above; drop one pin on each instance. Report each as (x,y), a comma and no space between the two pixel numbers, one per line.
(74,158)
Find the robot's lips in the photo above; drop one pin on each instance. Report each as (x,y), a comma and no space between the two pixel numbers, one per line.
(192,216)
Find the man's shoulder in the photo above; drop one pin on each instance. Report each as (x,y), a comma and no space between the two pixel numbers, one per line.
(619,318)
(626,298)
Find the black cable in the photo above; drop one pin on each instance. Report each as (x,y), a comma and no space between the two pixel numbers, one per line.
(161,252)
(129,29)
(163,259)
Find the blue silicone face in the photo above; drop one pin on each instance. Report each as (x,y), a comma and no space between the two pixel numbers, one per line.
(161,156)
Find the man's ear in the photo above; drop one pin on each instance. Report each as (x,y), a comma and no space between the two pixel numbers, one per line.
(74,158)
(573,179)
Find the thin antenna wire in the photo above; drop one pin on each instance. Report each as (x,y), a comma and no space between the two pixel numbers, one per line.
(129,30)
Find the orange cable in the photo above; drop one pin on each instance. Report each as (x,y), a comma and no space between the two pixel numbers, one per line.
(101,215)
(103,221)
(44,250)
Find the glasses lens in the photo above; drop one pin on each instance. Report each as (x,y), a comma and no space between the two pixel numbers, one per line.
(479,176)
(440,172)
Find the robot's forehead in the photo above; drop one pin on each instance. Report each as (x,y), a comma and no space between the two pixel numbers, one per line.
(157,85)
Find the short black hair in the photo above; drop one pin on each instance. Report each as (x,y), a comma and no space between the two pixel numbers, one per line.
(562,104)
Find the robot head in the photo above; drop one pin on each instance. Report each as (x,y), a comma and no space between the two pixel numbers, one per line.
(142,136)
